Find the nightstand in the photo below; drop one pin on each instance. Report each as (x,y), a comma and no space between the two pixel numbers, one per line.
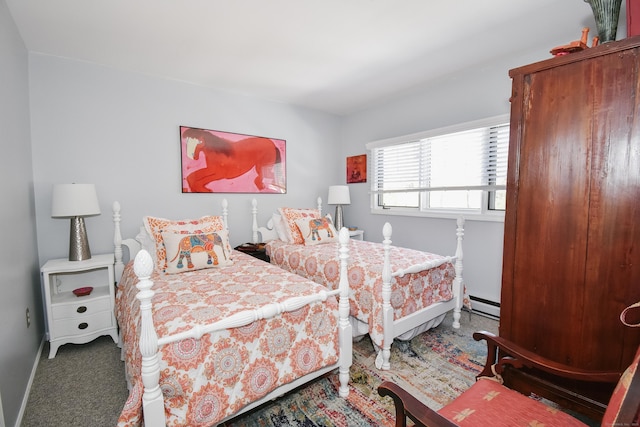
(256,250)
(78,319)
(356,234)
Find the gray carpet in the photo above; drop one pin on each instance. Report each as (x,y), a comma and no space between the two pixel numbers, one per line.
(84,385)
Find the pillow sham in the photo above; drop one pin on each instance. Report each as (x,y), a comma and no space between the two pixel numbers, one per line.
(289,217)
(316,231)
(156,226)
(188,252)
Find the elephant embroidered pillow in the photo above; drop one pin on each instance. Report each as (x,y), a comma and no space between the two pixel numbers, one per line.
(290,216)
(188,252)
(156,226)
(316,231)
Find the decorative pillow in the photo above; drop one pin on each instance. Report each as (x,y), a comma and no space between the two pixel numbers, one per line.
(279,226)
(289,217)
(317,230)
(187,252)
(156,226)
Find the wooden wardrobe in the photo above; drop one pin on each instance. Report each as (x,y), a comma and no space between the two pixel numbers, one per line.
(572,226)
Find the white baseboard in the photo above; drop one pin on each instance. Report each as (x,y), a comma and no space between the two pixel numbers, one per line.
(1,413)
(481,307)
(25,399)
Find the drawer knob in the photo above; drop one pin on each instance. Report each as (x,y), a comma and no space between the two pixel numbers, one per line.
(83,325)
(81,309)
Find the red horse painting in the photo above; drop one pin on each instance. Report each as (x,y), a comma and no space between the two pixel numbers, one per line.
(229,163)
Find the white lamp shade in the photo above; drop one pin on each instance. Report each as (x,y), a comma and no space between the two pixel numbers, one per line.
(70,200)
(339,195)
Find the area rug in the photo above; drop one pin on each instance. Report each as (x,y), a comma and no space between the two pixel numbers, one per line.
(435,366)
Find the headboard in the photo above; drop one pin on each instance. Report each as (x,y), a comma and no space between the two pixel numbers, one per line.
(264,234)
(134,245)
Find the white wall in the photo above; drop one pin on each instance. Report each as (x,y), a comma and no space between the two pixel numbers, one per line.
(120,131)
(19,269)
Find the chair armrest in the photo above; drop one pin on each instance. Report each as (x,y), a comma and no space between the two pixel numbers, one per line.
(506,353)
(408,406)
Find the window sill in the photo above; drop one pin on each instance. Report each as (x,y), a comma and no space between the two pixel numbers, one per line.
(468,216)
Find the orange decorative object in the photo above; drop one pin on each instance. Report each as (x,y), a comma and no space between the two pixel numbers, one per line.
(575,46)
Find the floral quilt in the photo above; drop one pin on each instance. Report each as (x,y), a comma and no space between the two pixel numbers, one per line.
(207,380)
(409,293)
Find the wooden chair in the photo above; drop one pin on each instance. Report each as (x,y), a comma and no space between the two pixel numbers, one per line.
(489,402)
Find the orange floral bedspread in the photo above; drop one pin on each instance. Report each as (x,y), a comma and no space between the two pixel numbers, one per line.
(409,294)
(207,380)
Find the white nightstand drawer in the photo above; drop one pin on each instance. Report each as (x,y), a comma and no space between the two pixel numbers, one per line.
(356,234)
(81,308)
(81,324)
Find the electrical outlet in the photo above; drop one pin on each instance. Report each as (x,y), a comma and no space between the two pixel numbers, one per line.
(28,317)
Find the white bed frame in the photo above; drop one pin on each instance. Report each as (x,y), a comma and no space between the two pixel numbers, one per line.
(427,317)
(153,404)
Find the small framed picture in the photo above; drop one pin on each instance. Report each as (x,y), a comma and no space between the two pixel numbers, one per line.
(357,169)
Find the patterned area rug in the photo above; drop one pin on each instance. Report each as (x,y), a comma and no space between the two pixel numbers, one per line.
(436,366)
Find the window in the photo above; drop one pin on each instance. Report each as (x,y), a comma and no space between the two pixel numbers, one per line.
(446,172)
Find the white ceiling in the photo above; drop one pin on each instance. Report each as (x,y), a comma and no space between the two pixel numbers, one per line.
(333,55)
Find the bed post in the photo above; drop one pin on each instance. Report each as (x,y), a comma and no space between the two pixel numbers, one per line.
(387,310)
(152,399)
(345,338)
(225,213)
(458,283)
(117,242)
(319,202)
(254,224)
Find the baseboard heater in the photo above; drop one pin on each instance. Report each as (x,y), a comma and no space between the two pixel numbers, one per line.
(485,306)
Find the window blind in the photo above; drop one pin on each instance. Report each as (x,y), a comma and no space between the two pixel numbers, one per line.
(474,159)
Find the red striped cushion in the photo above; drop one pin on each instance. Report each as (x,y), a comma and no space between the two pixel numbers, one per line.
(488,403)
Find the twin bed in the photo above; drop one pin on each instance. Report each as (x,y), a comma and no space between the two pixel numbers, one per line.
(394,292)
(208,333)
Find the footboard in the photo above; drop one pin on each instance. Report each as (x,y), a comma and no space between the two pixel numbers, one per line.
(153,404)
(394,328)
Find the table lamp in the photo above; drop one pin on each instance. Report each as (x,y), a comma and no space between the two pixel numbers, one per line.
(75,201)
(338,195)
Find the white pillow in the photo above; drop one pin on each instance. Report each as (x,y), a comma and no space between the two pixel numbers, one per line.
(147,243)
(278,225)
(187,252)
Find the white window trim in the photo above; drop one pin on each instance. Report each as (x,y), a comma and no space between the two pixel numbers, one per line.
(484,215)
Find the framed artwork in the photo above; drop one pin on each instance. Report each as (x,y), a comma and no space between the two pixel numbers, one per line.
(224,162)
(357,169)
